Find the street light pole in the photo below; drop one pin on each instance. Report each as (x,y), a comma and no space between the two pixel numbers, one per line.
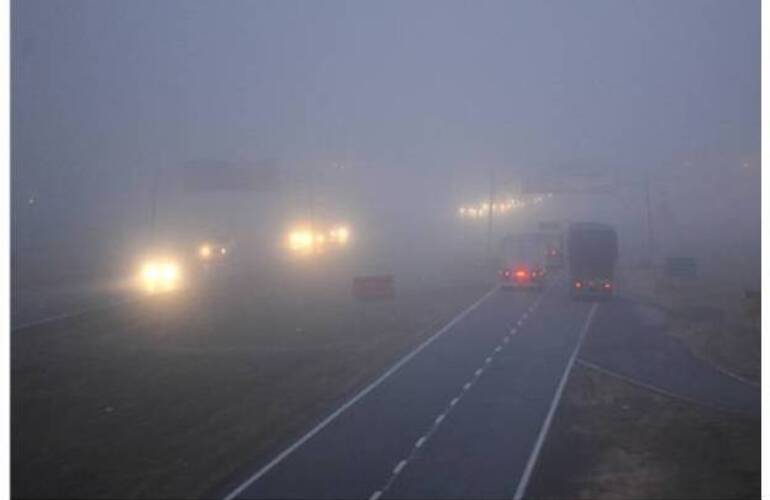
(650,233)
(490,213)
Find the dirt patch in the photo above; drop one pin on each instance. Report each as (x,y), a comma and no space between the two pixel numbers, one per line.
(612,440)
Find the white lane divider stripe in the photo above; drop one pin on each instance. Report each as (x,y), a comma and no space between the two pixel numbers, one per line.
(375,495)
(521,489)
(440,418)
(315,430)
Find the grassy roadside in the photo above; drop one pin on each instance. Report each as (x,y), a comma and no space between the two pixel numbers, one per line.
(172,408)
(613,440)
(711,317)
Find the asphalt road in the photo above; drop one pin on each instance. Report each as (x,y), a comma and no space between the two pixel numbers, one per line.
(462,416)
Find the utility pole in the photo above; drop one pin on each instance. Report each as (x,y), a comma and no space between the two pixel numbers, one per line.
(490,213)
(154,206)
(650,233)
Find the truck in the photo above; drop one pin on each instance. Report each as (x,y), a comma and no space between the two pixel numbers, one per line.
(592,254)
(523,261)
(553,244)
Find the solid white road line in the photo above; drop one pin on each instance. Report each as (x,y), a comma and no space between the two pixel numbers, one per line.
(420,442)
(521,489)
(375,495)
(315,430)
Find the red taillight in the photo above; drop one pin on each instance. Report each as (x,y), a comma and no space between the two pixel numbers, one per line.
(578,284)
(521,274)
(608,285)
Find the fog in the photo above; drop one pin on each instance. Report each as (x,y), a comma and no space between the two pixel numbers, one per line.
(387,116)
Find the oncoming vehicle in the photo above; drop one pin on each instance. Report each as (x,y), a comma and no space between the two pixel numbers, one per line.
(210,252)
(522,262)
(593,251)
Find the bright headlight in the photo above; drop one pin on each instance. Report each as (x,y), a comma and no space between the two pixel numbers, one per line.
(159,276)
(339,234)
(170,273)
(150,272)
(301,240)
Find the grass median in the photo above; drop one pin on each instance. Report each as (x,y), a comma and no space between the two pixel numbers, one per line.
(175,406)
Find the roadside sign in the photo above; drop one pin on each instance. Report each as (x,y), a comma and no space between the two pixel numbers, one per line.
(681,267)
(373,287)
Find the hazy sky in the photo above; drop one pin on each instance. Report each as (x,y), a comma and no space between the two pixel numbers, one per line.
(105,91)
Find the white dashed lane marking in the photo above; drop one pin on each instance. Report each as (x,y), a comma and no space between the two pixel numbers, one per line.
(440,418)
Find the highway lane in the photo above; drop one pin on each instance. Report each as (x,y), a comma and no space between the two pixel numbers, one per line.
(459,419)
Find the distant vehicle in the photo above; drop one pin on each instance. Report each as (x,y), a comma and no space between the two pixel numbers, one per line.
(209,252)
(553,243)
(160,274)
(523,261)
(592,253)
